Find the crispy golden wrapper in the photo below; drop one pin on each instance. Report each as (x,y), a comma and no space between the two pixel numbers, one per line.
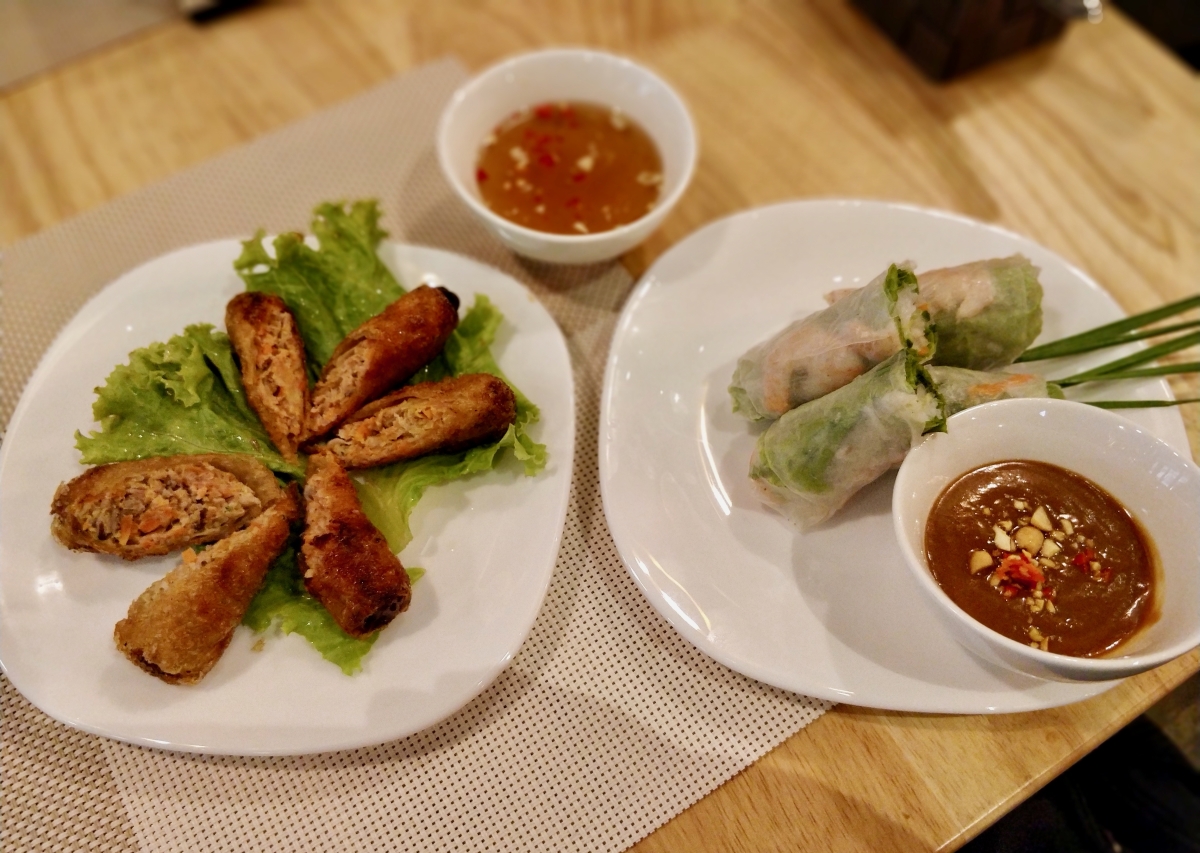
(432,417)
(154,506)
(346,562)
(380,354)
(274,372)
(179,627)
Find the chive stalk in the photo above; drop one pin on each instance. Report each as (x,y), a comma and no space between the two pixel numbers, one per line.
(1107,371)
(1115,333)
(1140,404)
(1127,338)
(1141,373)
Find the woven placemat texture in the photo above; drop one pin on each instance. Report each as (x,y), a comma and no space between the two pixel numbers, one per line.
(605,725)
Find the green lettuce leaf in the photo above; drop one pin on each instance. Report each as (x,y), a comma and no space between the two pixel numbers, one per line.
(284,602)
(389,494)
(186,396)
(332,289)
(182,396)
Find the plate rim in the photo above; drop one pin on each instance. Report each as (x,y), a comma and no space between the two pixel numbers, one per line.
(394,253)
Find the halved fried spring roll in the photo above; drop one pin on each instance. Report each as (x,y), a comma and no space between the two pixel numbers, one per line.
(158,505)
(345,560)
(274,373)
(432,417)
(380,354)
(180,626)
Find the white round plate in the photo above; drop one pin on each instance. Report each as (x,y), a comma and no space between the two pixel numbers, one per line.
(833,612)
(488,545)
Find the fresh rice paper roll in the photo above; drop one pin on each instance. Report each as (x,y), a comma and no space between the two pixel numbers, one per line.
(826,350)
(817,456)
(987,313)
(961,389)
(812,460)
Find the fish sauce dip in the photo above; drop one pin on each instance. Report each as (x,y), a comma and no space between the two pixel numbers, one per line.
(569,168)
(1043,556)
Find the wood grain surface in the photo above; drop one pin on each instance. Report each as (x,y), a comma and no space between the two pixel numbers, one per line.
(1090,146)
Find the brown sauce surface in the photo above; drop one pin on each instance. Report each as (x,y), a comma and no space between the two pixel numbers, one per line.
(1083,595)
(569,168)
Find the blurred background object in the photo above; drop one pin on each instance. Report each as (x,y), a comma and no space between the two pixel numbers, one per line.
(1176,23)
(946,38)
(205,10)
(38,34)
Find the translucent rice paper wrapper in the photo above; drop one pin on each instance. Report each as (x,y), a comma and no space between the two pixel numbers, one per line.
(817,456)
(986,313)
(961,388)
(824,351)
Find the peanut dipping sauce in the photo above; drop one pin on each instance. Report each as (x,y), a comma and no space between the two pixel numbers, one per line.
(1043,556)
(569,168)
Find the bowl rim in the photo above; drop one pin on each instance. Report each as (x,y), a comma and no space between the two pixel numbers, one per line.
(1113,667)
(664,204)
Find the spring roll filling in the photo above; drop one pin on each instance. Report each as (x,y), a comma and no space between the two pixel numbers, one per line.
(278,366)
(169,509)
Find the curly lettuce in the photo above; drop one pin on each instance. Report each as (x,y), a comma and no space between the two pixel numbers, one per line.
(332,289)
(186,396)
(182,396)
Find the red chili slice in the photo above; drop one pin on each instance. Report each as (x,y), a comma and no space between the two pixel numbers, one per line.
(1083,558)
(1021,571)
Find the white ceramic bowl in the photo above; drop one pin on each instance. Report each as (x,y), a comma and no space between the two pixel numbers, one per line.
(1155,483)
(574,75)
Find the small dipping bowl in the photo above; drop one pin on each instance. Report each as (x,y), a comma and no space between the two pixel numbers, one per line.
(566,75)
(1158,485)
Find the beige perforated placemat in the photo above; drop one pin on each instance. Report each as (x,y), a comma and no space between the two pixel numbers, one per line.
(605,725)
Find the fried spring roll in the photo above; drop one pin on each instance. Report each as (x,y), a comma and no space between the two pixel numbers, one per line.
(380,354)
(158,505)
(432,417)
(271,355)
(345,560)
(180,626)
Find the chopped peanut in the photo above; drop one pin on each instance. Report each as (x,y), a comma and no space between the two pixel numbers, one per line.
(980,560)
(1029,539)
(1041,520)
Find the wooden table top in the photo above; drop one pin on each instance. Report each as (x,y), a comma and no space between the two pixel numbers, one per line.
(1090,146)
